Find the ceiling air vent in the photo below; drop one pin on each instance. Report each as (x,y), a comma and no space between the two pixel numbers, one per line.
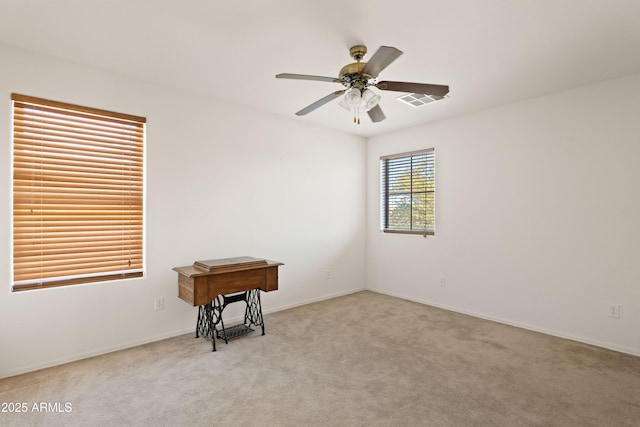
(418,99)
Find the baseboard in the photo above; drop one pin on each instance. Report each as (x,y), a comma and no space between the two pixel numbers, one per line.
(135,343)
(608,346)
(92,353)
(240,318)
(312,300)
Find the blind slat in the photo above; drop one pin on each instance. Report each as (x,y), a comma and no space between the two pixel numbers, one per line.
(77,280)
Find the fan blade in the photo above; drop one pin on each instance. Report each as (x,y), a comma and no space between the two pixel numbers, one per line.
(320,102)
(427,89)
(375,114)
(380,60)
(306,77)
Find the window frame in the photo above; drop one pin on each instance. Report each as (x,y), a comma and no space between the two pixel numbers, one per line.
(91,184)
(429,165)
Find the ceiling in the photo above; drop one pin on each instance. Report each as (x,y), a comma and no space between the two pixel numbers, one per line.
(490,52)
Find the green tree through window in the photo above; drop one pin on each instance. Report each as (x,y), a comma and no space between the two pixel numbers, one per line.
(408,188)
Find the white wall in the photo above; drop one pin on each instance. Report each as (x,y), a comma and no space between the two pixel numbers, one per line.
(221,181)
(537,215)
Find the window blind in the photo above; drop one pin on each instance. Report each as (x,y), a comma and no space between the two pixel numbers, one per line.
(407,187)
(77,194)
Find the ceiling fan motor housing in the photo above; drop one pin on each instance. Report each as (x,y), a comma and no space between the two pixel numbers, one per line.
(351,75)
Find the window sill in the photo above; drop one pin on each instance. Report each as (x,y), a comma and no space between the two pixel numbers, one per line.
(416,232)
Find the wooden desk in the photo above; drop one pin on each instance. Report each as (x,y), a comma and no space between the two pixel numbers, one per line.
(207,284)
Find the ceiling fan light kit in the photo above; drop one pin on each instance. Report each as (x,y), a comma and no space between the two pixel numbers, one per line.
(370,99)
(358,76)
(356,102)
(353,97)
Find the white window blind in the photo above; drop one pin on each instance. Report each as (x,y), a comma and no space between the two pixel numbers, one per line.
(77,194)
(407,184)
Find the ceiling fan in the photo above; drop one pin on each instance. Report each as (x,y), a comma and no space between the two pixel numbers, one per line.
(358,77)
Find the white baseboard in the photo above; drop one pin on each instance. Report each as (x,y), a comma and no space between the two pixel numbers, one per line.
(92,353)
(135,343)
(312,300)
(609,346)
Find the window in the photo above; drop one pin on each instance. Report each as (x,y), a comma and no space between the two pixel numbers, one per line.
(407,185)
(77,194)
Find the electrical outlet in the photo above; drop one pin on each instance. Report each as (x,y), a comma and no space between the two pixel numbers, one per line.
(443,282)
(614,311)
(328,275)
(159,303)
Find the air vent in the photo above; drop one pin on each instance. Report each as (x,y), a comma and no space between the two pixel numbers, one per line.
(418,99)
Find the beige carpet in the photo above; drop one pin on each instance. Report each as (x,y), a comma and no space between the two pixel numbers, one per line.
(361,360)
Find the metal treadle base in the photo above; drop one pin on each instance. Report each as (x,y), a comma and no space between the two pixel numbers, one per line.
(234,331)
